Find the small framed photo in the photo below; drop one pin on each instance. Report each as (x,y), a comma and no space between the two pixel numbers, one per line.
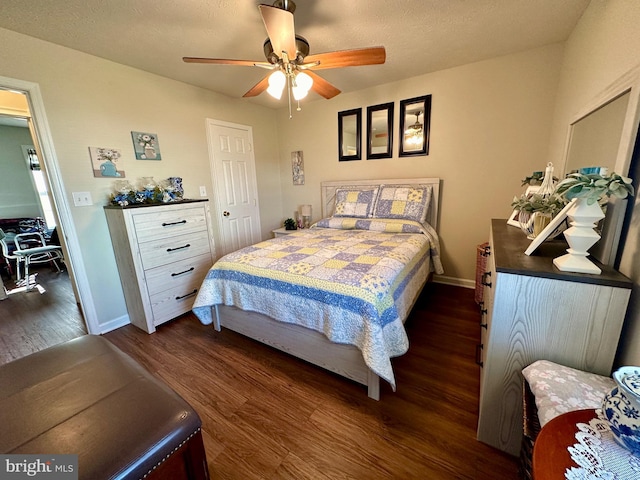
(549,229)
(146,146)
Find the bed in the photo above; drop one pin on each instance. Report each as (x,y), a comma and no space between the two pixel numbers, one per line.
(337,294)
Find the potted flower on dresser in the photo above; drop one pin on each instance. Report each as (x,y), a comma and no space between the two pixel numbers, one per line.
(588,191)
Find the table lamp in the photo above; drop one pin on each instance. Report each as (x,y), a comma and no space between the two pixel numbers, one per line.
(305,211)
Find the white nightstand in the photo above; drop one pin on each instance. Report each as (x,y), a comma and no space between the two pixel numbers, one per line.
(281,232)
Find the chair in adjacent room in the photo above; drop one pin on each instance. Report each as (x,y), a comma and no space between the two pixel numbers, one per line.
(30,248)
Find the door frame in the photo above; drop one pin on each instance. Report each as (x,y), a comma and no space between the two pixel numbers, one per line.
(217,220)
(44,142)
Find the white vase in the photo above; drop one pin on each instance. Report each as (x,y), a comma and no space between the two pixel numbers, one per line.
(581,236)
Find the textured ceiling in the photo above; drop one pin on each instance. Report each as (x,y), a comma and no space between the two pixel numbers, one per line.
(420,36)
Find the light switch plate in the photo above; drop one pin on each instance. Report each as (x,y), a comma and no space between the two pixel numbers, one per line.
(203,191)
(82,199)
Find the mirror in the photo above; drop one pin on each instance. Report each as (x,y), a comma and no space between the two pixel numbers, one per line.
(350,134)
(380,131)
(595,139)
(603,134)
(415,120)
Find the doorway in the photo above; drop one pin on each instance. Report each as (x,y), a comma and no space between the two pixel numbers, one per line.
(81,298)
(233,170)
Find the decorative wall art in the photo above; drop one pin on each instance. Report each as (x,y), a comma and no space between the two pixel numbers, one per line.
(297,167)
(415,124)
(146,146)
(104,162)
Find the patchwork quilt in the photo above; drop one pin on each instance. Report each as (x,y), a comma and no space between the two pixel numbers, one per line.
(356,286)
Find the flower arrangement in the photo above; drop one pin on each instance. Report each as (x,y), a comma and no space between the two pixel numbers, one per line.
(594,187)
(146,140)
(149,192)
(551,204)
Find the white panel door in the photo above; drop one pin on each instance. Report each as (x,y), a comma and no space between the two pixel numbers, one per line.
(234,180)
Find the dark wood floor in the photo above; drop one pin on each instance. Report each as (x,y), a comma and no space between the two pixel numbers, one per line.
(31,321)
(267,415)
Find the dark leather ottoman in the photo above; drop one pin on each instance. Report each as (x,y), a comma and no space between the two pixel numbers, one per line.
(87,397)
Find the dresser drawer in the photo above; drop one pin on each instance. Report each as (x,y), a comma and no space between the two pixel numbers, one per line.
(168,250)
(177,274)
(171,303)
(156,225)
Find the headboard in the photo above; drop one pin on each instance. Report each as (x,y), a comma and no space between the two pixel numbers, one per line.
(328,193)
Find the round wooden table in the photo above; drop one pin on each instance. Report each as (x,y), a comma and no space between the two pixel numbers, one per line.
(550,455)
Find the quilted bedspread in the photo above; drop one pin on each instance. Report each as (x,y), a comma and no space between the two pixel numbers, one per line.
(355,286)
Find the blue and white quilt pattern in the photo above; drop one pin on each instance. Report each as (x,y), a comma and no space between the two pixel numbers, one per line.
(355,286)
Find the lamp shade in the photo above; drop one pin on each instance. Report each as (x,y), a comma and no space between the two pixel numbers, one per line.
(305,210)
(277,82)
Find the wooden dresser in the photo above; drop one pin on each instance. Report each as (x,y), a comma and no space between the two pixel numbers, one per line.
(533,311)
(163,253)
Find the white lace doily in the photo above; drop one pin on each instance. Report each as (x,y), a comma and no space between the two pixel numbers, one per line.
(599,456)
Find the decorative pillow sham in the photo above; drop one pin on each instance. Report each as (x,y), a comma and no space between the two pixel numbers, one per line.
(388,225)
(357,203)
(406,202)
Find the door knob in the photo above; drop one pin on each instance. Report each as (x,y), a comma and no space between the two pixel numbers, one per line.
(225,213)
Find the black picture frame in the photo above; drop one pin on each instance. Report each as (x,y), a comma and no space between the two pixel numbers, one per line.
(411,142)
(350,135)
(379,129)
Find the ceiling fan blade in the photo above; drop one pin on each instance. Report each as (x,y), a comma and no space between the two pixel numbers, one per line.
(280,28)
(224,61)
(258,88)
(321,86)
(348,58)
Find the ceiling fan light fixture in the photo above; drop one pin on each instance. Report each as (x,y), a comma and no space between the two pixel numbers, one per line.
(277,81)
(301,85)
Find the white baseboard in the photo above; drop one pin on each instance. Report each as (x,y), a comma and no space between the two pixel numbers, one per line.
(115,323)
(458,282)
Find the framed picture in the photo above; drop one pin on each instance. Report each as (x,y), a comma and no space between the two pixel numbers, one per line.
(555,223)
(513,218)
(146,146)
(297,167)
(380,131)
(415,123)
(350,135)
(104,162)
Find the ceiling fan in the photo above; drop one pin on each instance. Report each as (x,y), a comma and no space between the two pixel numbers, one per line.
(288,57)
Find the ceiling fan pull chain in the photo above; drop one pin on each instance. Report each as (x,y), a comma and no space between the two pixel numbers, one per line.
(289,95)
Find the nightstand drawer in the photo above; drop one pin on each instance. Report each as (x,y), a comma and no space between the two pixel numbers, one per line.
(151,226)
(177,274)
(164,251)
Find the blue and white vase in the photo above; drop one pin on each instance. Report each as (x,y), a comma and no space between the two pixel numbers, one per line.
(621,408)
(176,183)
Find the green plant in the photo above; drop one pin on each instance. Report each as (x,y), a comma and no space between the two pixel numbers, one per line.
(593,186)
(290,224)
(551,204)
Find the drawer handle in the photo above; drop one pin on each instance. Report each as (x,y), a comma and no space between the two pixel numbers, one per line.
(479,354)
(484,279)
(486,251)
(178,248)
(174,223)
(182,273)
(191,294)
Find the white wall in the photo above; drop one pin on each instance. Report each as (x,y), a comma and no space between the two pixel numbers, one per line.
(91,102)
(604,45)
(17,195)
(490,128)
